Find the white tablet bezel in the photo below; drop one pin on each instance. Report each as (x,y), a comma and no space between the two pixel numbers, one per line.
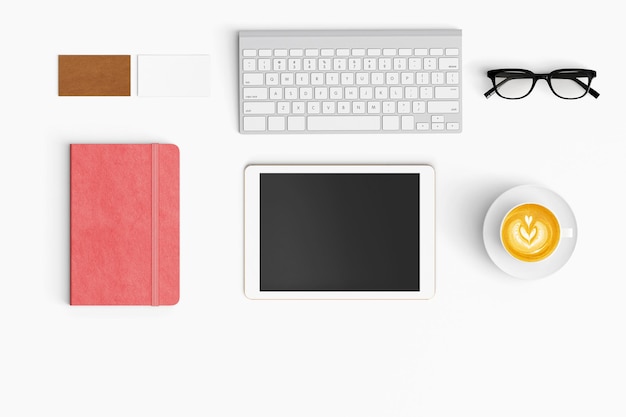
(252,176)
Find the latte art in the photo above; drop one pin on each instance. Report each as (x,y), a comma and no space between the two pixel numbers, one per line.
(530,232)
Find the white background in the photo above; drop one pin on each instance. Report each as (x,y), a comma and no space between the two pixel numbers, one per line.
(486,345)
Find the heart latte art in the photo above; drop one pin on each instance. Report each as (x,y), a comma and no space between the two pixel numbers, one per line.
(530,232)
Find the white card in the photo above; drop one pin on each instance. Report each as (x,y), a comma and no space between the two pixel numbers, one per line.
(173,75)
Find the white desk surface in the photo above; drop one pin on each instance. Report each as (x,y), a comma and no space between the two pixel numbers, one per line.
(486,345)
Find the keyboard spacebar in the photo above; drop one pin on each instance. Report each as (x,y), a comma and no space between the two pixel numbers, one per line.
(344,122)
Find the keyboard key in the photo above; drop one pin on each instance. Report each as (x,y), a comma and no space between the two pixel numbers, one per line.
(415,63)
(249,52)
(399,64)
(296,52)
(298,107)
(410,92)
(276,93)
(356,123)
(391,122)
(437,78)
(340,64)
(280,64)
(452,51)
(296,123)
(280,52)
(378,78)
(311,52)
(384,64)
(366,93)
(249,65)
(395,92)
(358,107)
(446,92)
(286,78)
(408,123)
(354,64)
(436,51)
(306,93)
(275,123)
(254,124)
(336,93)
(373,107)
(430,63)
(255,93)
(404,107)
(422,126)
(302,78)
(347,78)
(426,93)
(452,126)
(253,79)
(419,107)
(452,78)
(260,107)
(449,63)
(265,52)
(437,126)
(264,64)
(328,107)
(313,107)
(291,93)
(389,107)
(321,93)
(271,79)
(343,107)
(283,107)
(443,107)
(294,64)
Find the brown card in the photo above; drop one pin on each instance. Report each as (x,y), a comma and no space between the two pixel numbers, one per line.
(94,75)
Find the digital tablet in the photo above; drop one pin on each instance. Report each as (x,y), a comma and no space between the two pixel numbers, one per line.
(339,232)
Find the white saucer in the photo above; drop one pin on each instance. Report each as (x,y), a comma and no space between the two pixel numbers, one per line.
(529,194)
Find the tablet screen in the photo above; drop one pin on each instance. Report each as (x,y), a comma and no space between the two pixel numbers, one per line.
(339,232)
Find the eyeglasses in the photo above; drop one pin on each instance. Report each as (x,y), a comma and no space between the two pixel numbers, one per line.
(513,83)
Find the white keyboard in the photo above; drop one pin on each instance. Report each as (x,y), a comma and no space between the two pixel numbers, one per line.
(390,81)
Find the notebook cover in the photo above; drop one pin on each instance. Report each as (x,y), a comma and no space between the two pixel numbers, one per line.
(94,75)
(124,220)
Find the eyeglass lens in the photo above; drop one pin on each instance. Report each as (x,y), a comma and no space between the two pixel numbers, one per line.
(569,84)
(513,84)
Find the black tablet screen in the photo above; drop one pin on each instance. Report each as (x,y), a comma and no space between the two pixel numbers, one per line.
(339,232)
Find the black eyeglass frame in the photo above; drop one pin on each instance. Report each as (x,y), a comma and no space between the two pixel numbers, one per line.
(518,73)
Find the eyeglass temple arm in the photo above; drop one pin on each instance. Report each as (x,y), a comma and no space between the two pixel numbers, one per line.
(593,92)
(493,89)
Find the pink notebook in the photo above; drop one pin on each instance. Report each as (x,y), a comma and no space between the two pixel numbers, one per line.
(124,209)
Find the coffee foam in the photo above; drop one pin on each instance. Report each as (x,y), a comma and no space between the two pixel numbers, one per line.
(530,232)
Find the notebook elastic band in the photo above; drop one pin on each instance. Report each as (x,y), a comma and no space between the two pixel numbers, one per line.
(155,224)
